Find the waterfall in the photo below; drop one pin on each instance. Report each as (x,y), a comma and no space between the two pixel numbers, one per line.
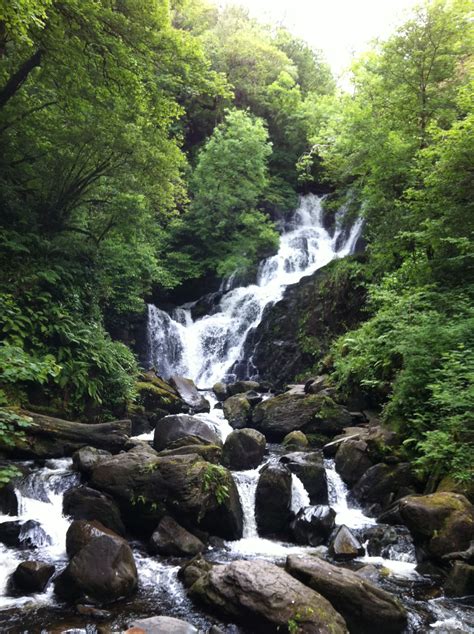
(207,348)
(246,482)
(40,498)
(299,495)
(351,516)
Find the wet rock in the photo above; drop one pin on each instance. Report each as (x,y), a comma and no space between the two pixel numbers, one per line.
(103,570)
(81,532)
(84,503)
(243,449)
(464,555)
(172,539)
(253,398)
(237,411)
(275,344)
(383,483)
(460,581)
(32,576)
(161,625)
(93,612)
(273,501)
(344,545)
(155,394)
(144,423)
(309,467)
(380,442)
(379,539)
(295,440)
(8,500)
(170,429)
(365,607)
(198,494)
(189,394)
(316,385)
(278,416)
(220,391)
(313,525)
(85,459)
(263,595)
(210,453)
(441,522)
(194,570)
(352,460)
(21,534)
(240,387)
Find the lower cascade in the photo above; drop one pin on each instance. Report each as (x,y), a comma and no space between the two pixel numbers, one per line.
(321,528)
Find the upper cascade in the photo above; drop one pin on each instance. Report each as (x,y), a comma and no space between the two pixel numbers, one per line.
(206,349)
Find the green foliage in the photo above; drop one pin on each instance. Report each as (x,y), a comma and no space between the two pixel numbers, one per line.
(215,481)
(228,230)
(402,148)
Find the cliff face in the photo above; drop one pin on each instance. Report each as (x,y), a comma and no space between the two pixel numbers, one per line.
(296,332)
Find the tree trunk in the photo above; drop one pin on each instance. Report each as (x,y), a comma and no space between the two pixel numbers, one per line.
(47,437)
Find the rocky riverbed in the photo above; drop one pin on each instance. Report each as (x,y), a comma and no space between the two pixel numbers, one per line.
(291,514)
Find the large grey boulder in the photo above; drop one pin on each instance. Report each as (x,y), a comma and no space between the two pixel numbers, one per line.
(32,576)
(366,608)
(352,460)
(278,416)
(383,483)
(102,571)
(313,525)
(198,494)
(85,459)
(189,394)
(442,522)
(273,501)
(243,449)
(180,427)
(161,625)
(264,596)
(237,411)
(84,503)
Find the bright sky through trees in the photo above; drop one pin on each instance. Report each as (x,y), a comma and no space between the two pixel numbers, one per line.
(339,28)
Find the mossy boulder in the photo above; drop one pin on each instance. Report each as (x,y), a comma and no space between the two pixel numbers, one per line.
(266,598)
(366,608)
(237,410)
(441,522)
(352,460)
(278,416)
(295,440)
(243,449)
(273,501)
(154,393)
(199,495)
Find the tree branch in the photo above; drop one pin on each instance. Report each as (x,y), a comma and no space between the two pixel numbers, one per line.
(16,81)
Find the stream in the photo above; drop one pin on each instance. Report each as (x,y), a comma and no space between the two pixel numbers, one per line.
(206,350)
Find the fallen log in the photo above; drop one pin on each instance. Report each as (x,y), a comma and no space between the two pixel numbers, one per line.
(48,437)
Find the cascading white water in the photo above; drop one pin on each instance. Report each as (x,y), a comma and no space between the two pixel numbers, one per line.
(40,498)
(207,348)
(299,495)
(352,517)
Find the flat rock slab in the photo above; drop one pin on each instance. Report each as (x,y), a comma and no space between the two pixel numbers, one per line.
(161,625)
(189,393)
(261,593)
(366,608)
